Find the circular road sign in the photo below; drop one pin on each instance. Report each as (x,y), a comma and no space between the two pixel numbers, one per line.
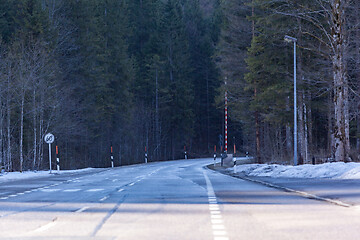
(49,138)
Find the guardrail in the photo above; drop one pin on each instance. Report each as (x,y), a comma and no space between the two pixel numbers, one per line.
(243,160)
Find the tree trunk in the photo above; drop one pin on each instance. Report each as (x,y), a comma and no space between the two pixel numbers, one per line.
(35,130)
(21,141)
(331,138)
(309,125)
(357,66)
(207,111)
(256,114)
(288,136)
(157,123)
(306,137)
(8,152)
(341,128)
(1,133)
(300,130)
(41,131)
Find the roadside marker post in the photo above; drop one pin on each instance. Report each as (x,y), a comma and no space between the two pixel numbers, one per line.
(112,157)
(214,155)
(185,152)
(57,159)
(234,161)
(146,155)
(234,158)
(221,155)
(49,139)
(234,147)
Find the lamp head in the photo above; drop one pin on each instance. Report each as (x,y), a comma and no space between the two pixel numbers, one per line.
(290,39)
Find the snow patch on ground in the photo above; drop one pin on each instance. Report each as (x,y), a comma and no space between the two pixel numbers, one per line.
(9,176)
(338,170)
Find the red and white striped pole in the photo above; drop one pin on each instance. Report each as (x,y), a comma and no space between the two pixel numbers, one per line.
(226,117)
(57,159)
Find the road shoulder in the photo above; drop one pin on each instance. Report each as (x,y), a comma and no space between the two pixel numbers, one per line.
(335,191)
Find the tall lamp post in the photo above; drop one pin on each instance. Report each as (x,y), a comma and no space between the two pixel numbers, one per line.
(226,116)
(294,40)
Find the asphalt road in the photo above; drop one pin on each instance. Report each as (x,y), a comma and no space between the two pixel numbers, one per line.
(167,200)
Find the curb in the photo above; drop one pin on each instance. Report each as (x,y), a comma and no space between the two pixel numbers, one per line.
(285,189)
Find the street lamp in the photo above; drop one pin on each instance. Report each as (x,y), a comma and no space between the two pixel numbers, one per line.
(294,40)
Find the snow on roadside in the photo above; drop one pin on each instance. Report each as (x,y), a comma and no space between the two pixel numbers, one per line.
(9,176)
(338,170)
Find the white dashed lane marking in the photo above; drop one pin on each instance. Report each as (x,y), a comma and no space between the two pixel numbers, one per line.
(218,227)
(51,190)
(72,190)
(104,198)
(95,190)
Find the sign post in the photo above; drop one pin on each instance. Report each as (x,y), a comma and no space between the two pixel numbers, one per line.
(49,139)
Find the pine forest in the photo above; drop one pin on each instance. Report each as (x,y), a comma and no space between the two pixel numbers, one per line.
(129,77)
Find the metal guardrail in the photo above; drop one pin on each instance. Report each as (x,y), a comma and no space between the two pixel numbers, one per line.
(243,160)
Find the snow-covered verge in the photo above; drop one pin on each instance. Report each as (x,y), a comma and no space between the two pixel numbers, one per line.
(338,170)
(9,176)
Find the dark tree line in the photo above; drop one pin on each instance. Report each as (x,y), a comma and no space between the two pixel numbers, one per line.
(127,74)
(258,63)
(133,74)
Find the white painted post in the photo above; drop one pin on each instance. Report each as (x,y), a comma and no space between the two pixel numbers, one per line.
(146,156)
(214,155)
(112,157)
(234,160)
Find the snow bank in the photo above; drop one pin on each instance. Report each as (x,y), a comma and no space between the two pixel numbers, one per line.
(338,170)
(34,174)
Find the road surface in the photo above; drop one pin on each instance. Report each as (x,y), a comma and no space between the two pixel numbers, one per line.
(165,200)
